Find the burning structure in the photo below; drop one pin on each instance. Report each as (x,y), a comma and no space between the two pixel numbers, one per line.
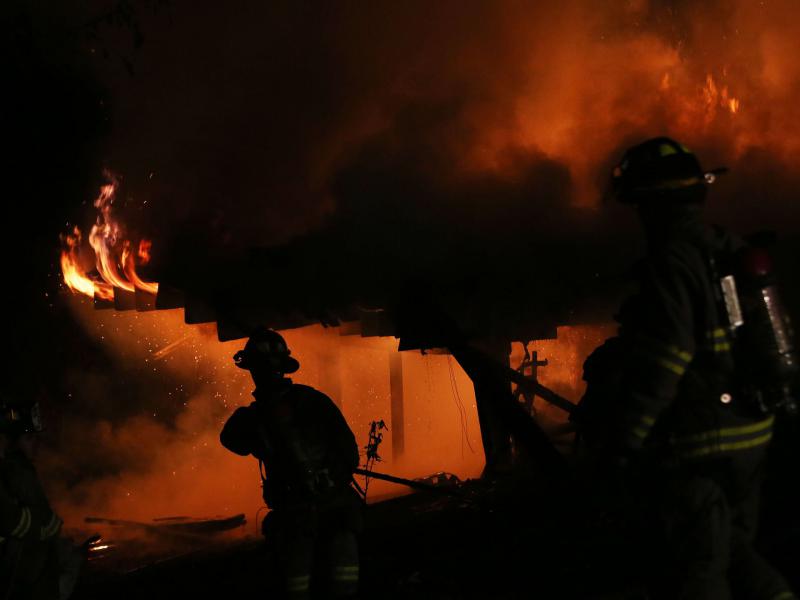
(334,349)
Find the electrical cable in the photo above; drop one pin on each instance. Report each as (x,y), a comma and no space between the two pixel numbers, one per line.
(462,411)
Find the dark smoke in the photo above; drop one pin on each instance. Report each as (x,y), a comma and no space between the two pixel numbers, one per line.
(249,125)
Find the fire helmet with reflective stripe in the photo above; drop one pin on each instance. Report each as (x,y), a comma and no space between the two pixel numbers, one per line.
(660,169)
(266,349)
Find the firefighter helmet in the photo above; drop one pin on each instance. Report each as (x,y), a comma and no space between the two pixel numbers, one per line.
(660,168)
(17,417)
(266,348)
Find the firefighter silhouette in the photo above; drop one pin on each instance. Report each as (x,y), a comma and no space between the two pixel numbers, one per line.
(666,399)
(35,561)
(307,455)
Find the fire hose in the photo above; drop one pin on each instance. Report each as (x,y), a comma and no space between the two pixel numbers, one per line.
(417,485)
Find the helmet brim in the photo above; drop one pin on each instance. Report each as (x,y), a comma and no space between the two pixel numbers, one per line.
(624,195)
(248,363)
(290,365)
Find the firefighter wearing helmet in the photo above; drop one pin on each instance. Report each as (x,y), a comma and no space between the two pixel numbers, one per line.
(687,393)
(307,455)
(35,562)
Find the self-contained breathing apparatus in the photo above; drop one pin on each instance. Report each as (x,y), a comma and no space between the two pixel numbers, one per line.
(664,171)
(759,328)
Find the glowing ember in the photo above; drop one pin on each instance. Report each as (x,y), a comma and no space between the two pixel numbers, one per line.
(169,348)
(114,260)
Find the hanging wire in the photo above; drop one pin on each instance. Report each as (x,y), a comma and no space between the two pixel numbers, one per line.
(462,411)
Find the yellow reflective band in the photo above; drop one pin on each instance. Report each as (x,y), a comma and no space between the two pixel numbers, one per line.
(347,569)
(298,584)
(643,429)
(719,339)
(784,596)
(662,348)
(24,523)
(729,431)
(685,356)
(676,360)
(671,366)
(728,447)
(666,150)
(345,573)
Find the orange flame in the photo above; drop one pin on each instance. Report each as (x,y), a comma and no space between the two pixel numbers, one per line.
(75,276)
(144,251)
(114,260)
(720,97)
(716,96)
(129,267)
(104,237)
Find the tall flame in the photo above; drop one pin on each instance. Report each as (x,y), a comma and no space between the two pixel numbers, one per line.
(75,276)
(104,238)
(129,267)
(115,262)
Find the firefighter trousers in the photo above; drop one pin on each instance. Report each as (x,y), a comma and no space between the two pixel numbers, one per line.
(317,548)
(706,540)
